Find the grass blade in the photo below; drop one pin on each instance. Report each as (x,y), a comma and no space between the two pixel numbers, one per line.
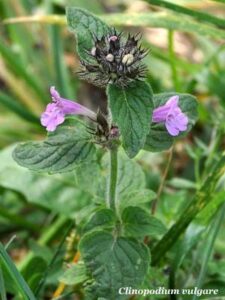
(165,20)
(18,34)
(61,72)
(200,16)
(208,246)
(17,108)
(21,71)
(158,20)
(2,286)
(202,198)
(15,275)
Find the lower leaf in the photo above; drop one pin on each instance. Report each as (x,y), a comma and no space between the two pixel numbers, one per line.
(60,152)
(114,262)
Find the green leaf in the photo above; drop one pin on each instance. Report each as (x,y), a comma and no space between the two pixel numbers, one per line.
(76,274)
(138,223)
(113,262)
(159,139)
(62,151)
(22,286)
(84,173)
(130,176)
(53,192)
(101,218)
(84,25)
(136,198)
(131,109)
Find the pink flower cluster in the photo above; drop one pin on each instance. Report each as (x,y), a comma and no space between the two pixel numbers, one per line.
(170,113)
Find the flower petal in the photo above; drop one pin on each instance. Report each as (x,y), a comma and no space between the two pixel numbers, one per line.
(173,101)
(171,125)
(160,114)
(56,111)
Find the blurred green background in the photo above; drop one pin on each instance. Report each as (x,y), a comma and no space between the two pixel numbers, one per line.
(187,54)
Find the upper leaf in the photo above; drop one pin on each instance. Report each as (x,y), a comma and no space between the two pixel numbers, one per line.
(60,152)
(113,262)
(131,109)
(159,139)
(84,25)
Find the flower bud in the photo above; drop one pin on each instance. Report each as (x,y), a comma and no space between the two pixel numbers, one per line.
(114,59)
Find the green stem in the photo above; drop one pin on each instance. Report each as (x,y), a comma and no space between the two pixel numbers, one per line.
(113,179)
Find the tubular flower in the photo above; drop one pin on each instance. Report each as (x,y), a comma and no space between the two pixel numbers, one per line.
(170,114)
(114,59)
(56,111)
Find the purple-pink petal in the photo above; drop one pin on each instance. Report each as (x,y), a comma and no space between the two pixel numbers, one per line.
(173,102)
(159,114)
(170,114)
(56,111)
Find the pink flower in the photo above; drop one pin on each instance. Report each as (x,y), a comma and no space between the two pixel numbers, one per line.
(56,111)
(170,114)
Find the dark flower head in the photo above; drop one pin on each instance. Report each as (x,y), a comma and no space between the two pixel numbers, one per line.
(114,59)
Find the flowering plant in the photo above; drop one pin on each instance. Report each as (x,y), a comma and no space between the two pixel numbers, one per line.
(115,231)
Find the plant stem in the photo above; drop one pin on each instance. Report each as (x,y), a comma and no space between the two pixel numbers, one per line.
(112,179)
(155,202)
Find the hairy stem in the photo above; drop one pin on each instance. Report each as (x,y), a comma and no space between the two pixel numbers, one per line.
(112,179)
